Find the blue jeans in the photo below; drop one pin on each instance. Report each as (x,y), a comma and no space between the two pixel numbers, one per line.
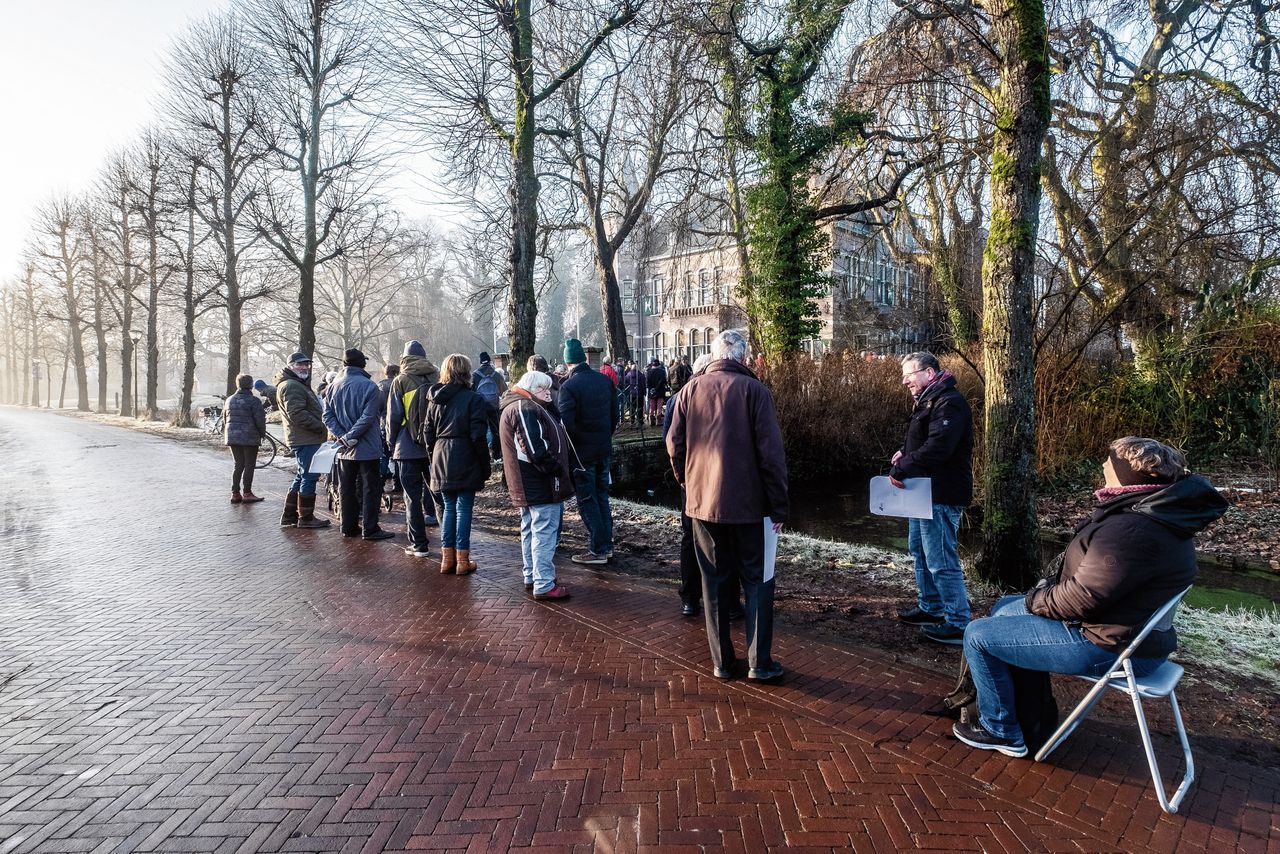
(455,525)
(939,575)
(592,486)
(1012,636)
(303,483)
(539,530)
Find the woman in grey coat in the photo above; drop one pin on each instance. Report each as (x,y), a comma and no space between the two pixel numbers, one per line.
(245,422)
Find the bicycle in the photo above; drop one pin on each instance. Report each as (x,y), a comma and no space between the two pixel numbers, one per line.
(267,455)
(211,417)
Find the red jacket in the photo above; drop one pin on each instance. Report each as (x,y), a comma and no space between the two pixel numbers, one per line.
(726,447)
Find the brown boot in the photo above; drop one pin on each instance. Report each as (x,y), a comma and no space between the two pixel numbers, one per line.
(250,498)
(306,513)
(289,517)
(466,565)
(235,498)
(448,561)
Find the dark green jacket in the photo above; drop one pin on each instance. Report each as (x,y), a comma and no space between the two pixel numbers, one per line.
(300,411)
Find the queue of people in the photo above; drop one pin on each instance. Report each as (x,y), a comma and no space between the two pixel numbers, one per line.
(551,432)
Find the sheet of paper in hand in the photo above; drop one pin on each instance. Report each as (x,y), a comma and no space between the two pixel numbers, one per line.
(322,462)
(914,502)
(770,548)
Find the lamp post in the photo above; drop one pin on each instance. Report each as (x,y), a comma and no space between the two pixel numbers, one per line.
(136,336)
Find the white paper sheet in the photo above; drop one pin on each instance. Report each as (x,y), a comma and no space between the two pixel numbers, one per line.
(914,502)
(770,548)
(322,462)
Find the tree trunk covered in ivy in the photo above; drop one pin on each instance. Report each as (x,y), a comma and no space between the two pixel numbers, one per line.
(1010,549)
(522,301)
(787,248)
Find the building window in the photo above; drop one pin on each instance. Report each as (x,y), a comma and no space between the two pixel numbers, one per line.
(704,287)
(686,295)
(628,294)
(717,283)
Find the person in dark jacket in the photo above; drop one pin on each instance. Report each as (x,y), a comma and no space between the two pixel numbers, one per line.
(726,451)
(634,387)
(268,394)
(351,414)
(655,379)
(417,374)
(302,416)
(590,418)
(1134,553)
(245,424)
(939,446)
(682,374)
(488,382)
(540,364)
(536,458)
(454,434)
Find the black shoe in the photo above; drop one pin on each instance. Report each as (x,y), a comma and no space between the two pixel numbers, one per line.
(350,533)
(689,609)
(944,633)
(766,674)
(913,616)
(378,534)
(976,735)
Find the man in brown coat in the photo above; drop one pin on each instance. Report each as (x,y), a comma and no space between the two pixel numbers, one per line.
(727,452)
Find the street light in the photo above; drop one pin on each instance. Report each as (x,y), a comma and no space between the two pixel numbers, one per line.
(136,336)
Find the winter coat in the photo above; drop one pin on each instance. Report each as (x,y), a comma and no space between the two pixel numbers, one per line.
(939,444)
(726,447)
(244,421)
(1130,557)
(656,380)
(301,412)
(535,452)
(588,409)
(609,372)
(416,374)
(455,433)
(634,383)
(351,414)
(683,374)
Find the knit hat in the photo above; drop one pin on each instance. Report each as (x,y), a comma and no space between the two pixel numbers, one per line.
(484,357)
(573,352)
(354,358)
(259,384)
(413,348)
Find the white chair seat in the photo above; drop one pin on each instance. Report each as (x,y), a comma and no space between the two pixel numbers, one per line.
(1158,684)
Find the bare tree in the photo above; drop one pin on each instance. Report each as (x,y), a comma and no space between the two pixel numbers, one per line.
(320,143)
(60,258)
(153,156)
(114,192)
(215,77)
(478,78)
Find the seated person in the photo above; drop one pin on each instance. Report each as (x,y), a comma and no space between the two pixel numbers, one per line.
(1128,559)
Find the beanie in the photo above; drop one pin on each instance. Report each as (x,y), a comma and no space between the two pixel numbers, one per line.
(413,348)
(354,358)
(484,357)
(573,352)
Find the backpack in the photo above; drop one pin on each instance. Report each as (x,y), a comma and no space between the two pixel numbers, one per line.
(1034,703)
(415,413)
(487,387)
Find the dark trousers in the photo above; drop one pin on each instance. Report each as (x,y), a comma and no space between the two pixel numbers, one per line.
(245,457)
(419,501)
(727,552)
(592,484)
(495,444)
(360,488)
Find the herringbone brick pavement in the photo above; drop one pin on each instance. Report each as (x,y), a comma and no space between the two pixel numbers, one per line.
(178,674)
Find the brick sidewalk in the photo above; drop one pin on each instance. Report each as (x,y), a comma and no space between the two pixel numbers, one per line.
(178,674)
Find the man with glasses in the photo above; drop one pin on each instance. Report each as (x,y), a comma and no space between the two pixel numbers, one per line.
(939,446)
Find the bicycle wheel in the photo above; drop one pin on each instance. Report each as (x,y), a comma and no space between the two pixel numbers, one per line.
(267,455)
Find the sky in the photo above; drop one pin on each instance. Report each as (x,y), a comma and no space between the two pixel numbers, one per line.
(79,79)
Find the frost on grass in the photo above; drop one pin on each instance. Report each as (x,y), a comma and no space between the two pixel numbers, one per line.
(1239,642)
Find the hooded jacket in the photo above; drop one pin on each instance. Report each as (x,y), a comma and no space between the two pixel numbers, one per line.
(1130,557)
(535,451)
(351,414)
(726,447)
(939,443)
(301,412)
(455,432)
(587,408)
(246,421)
(416,374)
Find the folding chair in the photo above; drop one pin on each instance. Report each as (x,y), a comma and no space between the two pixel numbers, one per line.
(1160,683)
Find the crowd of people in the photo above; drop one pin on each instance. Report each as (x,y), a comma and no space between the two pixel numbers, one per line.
(439,432)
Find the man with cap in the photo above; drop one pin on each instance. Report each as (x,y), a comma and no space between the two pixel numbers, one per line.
(590,418)
(487,382)
(351,414)
(301,415)
(268,394)
(417,375)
